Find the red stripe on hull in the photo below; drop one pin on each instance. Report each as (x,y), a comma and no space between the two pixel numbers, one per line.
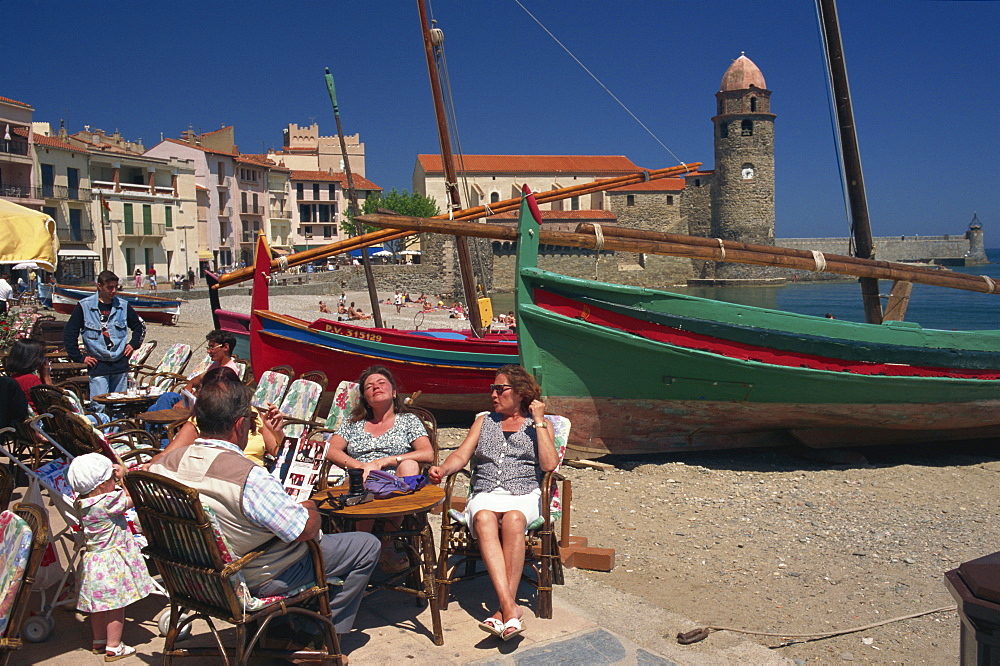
(688,340)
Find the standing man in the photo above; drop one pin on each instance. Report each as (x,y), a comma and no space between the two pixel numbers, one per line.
(5,292)
(397,300)
(252,508)
(190,276)
(105,321)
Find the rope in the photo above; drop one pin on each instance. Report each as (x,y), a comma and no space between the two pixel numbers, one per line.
(599,82)
(599,236)
(722,248)
(990,284)
(283,263)
(820,261)
(701,633)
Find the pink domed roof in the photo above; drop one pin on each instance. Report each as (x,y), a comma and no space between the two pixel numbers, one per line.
(742,74)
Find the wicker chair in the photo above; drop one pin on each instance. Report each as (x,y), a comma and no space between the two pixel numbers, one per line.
(18,597)
(204,580)
(541,542)
(6,487)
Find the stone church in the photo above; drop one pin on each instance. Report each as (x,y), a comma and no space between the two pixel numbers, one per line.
(734,202)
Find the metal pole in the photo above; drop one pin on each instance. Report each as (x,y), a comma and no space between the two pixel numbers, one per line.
(860,223)
(450,177)
(355,210)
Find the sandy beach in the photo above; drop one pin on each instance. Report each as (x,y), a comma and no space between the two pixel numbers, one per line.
(768,540)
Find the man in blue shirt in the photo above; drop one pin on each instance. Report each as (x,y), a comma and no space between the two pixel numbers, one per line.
(104,320)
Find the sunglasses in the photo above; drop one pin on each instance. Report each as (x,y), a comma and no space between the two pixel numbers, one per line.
(499,388)
(215,346)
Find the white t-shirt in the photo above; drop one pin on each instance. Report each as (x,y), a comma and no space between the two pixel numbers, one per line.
(5,290)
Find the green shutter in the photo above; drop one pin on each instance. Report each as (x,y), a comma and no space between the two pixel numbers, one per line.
(147,219)
(128,219)
(168,216)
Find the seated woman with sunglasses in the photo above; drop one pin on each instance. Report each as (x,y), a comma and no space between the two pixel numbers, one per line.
(511,447)
(220,349)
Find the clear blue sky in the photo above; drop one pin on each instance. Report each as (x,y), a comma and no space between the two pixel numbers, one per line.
(923,76)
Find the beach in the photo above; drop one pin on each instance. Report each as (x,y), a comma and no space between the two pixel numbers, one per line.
(770,540)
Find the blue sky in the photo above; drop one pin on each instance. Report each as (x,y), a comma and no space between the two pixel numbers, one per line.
(923,78)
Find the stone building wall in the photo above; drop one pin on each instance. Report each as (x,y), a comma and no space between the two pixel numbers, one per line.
(891,248)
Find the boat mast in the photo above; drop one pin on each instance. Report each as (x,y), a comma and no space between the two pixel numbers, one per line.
(861,228)
(355,210)
(450,177)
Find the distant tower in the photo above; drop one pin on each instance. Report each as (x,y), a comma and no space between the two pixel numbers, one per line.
(743,187)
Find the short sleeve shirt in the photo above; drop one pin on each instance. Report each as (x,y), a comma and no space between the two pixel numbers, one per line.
(396,441)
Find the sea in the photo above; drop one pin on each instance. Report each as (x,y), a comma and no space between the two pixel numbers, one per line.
(931,307)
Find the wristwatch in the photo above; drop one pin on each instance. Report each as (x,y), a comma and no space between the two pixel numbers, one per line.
(541,424)
(399,459)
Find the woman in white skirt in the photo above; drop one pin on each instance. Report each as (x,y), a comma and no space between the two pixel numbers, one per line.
(510,448)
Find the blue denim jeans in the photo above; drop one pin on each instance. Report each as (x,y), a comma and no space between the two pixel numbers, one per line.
(102,384)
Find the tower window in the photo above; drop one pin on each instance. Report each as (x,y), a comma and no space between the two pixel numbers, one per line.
(629,199)
(723,130)
(670,200)
(697,182)
(753,104)
(721,107)
(746,128)
(494,197)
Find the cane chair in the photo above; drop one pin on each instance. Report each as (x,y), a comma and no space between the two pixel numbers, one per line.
(203,575)
(44,397)
(271,387)
(7,485)
(200,368)
(75,434)
(23,535)
(317,376)
(169,371)
(541,542)
(140,355)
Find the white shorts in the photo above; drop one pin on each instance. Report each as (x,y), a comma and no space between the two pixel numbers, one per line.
(501,501)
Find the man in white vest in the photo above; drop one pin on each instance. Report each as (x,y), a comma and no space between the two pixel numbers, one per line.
(252,507)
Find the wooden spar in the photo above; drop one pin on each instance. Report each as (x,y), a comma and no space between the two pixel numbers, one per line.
(860,224)
(355,210)
(761,255)
(639,234)
(476,212)
(450,177)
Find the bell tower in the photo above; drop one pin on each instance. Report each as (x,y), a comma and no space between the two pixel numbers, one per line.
(743,187)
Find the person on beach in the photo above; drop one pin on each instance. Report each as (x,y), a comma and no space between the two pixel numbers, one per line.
(253,508)
(342,301)
(398,301)
(323,308)
(114,573)
(380,434)
(138,279)
(511,448)
(104,320)
(151,275)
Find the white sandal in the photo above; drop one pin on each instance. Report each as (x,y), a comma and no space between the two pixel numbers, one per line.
(515,625)
(120,652)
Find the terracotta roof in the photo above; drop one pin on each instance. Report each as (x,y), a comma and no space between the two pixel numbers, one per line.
(20,131)
(658,185)
(202,148)
(360,182)
(741,75)
(557,215)
(41,140)
(201,187)
(14,101)
(525,164)
(248,158)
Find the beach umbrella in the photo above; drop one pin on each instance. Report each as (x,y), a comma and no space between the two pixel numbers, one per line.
(382,253)
(25,266)
(410,252)
(27,235)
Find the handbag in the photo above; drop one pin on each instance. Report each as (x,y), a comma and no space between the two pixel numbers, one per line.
(384,485)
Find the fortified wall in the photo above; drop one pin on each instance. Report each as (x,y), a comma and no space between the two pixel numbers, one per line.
(949,250)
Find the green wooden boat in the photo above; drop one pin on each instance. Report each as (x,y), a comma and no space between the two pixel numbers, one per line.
(644,371)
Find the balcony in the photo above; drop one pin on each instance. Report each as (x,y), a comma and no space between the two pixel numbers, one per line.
(253,210)
(282,214)
(140,230)
(75,235)
(14,146)
(136,190)
(62,192)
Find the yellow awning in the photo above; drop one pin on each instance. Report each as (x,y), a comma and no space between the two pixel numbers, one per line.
(204,254)
(27,235)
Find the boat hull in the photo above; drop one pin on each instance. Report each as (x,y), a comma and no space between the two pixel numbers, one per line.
(151,308)
(452,375)
(640,371)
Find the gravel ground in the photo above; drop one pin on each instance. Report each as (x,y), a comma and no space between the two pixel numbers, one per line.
(770,540)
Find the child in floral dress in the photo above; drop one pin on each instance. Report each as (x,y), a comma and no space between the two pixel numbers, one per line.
(114,573)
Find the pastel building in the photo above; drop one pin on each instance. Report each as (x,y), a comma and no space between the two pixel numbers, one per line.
(17,173)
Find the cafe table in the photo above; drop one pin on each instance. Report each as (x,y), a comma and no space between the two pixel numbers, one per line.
(124,405)
(415,530)
(160,419)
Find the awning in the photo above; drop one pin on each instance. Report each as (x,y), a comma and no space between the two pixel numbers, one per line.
(280,251)
(78,254)
(27,235)
(371,251)
(202,254)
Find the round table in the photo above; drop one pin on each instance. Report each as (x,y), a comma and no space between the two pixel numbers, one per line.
(126,406)
(415,530)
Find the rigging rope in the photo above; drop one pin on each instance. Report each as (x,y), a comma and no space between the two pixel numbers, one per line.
(599,82)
